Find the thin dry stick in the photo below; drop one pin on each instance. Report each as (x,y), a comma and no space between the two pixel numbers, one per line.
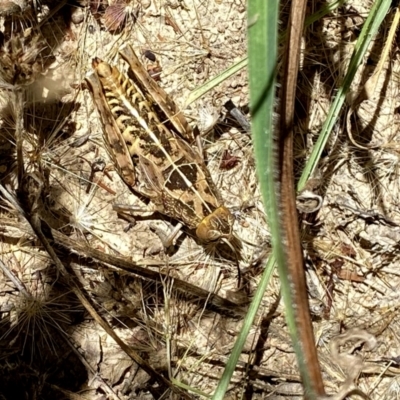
(191,292)
(35,223)
(19,127)
(369,88)
(309,366)
(14,279)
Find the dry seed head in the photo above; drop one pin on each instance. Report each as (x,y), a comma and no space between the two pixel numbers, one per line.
(8,7)
(117,13)
(20,59)
(208,117)
(71,205)
(86,212)
(81,219)
(36,317)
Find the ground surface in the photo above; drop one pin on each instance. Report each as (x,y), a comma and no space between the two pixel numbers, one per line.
(50,347)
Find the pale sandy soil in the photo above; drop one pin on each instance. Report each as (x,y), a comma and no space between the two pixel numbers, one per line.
(51,348)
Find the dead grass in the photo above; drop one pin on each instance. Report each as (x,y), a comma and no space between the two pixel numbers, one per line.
(351,244)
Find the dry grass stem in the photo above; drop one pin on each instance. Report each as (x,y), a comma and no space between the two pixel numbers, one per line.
(177,312)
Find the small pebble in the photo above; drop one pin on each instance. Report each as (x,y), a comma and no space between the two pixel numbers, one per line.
(77,16)
(150,55)
(236,100)
(145,3)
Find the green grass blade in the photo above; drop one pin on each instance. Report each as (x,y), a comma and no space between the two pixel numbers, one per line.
(244,332)
(263,41)
(370,28)
(212,83)
(324,10)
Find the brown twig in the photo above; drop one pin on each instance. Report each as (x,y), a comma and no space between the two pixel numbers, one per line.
(309,366)
(32,217)
(191,292)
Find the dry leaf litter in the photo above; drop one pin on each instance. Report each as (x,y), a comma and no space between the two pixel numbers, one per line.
(49,346)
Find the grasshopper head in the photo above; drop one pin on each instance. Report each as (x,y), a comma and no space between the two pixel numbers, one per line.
(103,69)
(216,226)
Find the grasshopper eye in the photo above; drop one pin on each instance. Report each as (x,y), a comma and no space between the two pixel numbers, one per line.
(213,236)
(206,234)
(202,231)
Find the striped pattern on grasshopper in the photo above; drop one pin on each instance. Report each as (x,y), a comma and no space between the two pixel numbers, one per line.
(152,158)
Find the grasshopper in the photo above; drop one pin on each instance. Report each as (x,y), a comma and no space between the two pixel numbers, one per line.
(148,140)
